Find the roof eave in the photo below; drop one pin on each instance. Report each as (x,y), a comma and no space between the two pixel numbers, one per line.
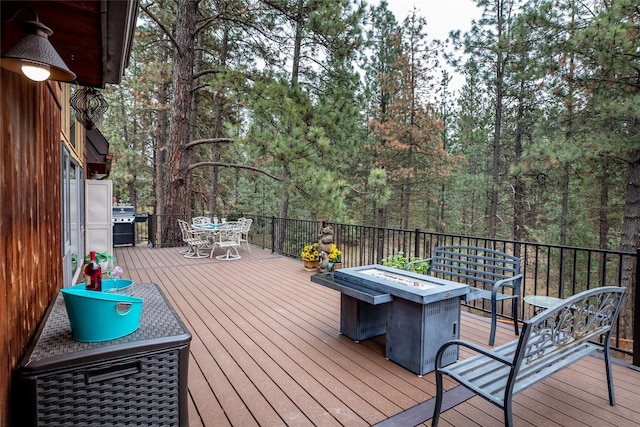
(120,24)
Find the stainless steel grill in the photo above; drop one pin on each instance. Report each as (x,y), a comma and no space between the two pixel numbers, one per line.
(123,214)
(123,218)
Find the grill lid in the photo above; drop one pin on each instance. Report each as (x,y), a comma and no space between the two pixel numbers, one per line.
(123,213)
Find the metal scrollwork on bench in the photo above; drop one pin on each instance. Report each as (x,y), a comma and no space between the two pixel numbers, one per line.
(578,320)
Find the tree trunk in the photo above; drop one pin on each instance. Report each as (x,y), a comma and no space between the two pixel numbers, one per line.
(440,226)
(441,212)
(629,239)
(195,98)
(177,200)
(565,206)
(569,140)
(412,122)
(518,186)
(284,207)
(603,226)
(295,70)
(297,45)
(406,198)
(497,126)
(218,107)
(160,158)
(603,217)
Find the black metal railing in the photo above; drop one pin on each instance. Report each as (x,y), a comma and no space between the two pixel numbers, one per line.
(554,270)
(141,229)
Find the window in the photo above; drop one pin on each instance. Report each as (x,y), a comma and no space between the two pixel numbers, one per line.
(72,193)
(73,123)
(69,123)
(73,219)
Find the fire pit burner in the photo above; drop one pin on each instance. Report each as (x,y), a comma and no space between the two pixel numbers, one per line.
(407,281)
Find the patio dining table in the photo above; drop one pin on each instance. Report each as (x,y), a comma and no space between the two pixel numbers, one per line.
(214,229)
(211,229)
(210,226)
(215,226)
(214,236)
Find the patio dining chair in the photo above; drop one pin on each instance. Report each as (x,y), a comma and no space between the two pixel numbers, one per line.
(244,233)
(182,250)
(228,239)
(200,220)
(195,240)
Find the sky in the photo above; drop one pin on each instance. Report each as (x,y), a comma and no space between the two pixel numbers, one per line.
(442,17)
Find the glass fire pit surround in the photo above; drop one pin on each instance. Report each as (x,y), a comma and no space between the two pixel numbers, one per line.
(418,313)
(401,284)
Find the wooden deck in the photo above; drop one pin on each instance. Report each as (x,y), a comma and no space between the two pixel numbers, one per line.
(266,350)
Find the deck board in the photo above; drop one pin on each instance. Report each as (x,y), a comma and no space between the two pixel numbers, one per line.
(266,350)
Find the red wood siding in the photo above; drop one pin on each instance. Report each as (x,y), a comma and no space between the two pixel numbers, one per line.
(30,223)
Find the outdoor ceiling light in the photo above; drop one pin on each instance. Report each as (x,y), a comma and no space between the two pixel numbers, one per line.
(34,56)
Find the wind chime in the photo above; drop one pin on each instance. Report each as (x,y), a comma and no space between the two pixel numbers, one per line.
(89,106)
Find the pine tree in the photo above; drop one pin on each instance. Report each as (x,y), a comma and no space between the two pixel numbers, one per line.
(409,128)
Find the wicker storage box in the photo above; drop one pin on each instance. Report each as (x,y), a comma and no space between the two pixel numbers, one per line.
(139,379)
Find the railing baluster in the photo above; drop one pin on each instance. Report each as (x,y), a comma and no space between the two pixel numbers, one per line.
(363,245)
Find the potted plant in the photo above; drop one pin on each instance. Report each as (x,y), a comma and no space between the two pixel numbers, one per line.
(102,258)
(311,257)
(74,261)
(335,258)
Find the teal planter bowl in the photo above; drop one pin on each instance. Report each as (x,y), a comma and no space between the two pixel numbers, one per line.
(119,286)
(101,316)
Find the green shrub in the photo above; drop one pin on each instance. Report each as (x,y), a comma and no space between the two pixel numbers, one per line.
(399,261)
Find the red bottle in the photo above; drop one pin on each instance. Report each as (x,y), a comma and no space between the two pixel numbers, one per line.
(93,274)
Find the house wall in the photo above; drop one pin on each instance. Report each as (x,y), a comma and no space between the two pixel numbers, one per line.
(30,221)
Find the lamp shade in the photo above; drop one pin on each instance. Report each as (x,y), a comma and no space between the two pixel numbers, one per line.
(35,50)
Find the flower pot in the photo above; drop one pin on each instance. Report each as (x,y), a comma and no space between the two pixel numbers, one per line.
(311,265)
(335,266)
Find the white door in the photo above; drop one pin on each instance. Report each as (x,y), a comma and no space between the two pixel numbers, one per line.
(99,231)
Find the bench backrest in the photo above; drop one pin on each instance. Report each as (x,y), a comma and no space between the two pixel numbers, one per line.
(577,319)
(468,264)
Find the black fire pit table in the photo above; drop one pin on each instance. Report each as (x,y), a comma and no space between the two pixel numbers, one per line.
(418,313)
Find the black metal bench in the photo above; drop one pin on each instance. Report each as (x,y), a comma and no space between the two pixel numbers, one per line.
(493,275)
(550,341)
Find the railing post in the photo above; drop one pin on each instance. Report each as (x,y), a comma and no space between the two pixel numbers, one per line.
(416,244)
(380,245)
(152,229)
(561,274)
(636,313)
(273,234)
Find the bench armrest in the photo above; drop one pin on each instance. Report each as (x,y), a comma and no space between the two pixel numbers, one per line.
(509,282)
(472,346)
